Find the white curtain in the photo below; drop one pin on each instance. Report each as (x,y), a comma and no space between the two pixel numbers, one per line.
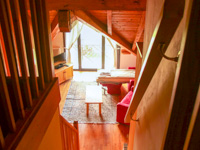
(71,38)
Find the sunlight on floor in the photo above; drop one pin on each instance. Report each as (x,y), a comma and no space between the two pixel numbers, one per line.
(85,76)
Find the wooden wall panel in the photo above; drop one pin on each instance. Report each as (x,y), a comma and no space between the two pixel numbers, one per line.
(36,130)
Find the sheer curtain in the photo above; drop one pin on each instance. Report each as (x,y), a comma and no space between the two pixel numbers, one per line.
(71,38)
(113,45)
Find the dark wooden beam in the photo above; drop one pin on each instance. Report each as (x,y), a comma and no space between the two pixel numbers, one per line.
(91,20)
(64,20)
(170,16)
(55,29)
(109,22)
(139,31)
(138,5)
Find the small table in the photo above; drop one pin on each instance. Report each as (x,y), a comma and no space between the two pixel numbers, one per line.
(93,96)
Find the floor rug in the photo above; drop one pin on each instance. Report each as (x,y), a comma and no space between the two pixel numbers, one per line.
(75,107)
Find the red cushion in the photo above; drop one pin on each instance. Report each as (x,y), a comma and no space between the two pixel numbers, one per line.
(131,67)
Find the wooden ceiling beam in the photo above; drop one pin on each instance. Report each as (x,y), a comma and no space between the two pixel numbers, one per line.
(91,20)
(139,31)
(54,27)
(137,5)
(109,21)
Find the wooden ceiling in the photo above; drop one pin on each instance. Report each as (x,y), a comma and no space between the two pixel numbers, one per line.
(121,20)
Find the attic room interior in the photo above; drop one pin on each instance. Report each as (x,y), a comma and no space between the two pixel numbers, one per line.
(47,53)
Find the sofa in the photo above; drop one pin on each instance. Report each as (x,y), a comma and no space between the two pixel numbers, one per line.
(124,104)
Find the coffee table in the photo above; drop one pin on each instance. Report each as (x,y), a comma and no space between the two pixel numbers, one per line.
(93,96)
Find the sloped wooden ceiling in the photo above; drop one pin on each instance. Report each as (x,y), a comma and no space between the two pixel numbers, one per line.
(121,20)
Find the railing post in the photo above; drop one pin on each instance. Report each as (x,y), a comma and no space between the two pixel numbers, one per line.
(76,126)
(37,44)
(20,49)
(5,100)
(29,48)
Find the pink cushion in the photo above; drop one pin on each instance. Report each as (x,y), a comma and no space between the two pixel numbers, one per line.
(127,98)
(130,84)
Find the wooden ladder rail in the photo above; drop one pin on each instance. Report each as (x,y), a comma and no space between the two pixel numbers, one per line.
(70,134)
(171,16)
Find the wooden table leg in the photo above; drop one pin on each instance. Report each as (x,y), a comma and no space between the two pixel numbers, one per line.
(87,105)
(99,109)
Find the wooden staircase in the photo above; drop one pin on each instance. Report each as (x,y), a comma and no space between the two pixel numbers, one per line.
(70,135)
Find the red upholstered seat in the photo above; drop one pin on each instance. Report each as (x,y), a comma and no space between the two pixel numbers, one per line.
(113,88)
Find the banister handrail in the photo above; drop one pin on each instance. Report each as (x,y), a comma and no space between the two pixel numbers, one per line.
(68,124)
(170,17)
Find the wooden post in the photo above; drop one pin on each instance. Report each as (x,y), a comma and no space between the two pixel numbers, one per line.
(44,44)
(4,55)
(2,142)
(79,52)
(29,48)
(99,109)
(5,100)
(48,40)
(87,109)
(103,52)
(76,126)
(118,56)
(37,44)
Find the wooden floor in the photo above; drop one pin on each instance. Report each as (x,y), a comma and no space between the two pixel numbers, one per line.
(103,137)
(96,136)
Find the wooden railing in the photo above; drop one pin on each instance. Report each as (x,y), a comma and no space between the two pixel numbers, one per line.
(70,135)
(26,73)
